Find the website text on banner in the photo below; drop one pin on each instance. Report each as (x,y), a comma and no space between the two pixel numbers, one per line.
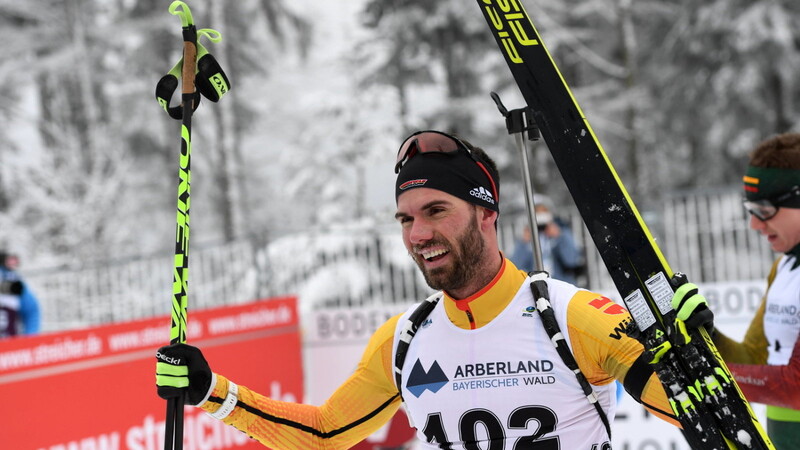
(94,387)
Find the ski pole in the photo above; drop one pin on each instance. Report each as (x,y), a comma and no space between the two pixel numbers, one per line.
(518,121)
(199,73)
(173,437)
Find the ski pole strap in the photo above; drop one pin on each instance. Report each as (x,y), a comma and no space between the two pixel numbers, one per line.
(185,13)
(210,80)
(541,298)
(167,86)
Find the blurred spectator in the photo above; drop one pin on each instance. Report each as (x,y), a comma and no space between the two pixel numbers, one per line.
(19,307)
(561,257)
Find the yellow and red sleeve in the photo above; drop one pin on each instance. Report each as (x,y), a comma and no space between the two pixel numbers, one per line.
(771,385)
(359,407)
(604,352)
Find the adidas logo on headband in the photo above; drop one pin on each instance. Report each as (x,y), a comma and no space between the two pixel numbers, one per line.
(481,193)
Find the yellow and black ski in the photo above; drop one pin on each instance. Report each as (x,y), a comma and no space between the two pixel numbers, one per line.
(705,398)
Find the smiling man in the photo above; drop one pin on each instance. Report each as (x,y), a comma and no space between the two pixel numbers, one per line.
(473,364)
(459,264)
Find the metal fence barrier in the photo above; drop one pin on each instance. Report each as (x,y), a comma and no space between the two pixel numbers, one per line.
(704,235)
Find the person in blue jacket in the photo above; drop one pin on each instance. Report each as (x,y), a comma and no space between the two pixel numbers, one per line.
(561,256)
(19,307)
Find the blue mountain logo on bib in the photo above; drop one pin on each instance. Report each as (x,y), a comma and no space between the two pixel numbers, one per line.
(420,379)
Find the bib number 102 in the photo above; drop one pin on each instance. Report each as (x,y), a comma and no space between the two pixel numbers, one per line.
(475,419)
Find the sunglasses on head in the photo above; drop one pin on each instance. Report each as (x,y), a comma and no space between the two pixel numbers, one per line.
(428,142)
(431,141)
(766,209)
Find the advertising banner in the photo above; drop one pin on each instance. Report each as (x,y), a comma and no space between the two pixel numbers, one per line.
(333,341)
(95,388)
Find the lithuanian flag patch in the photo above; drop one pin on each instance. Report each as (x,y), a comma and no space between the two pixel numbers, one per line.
(750,184)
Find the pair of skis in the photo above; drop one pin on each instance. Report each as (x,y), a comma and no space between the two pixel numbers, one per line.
(704,396)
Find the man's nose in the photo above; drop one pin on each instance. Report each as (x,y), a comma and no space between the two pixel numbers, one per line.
(420,232)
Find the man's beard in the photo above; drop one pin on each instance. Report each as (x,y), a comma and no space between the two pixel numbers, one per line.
(465,260)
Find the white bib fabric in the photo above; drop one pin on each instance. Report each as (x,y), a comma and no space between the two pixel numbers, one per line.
(782,316)
(501,386)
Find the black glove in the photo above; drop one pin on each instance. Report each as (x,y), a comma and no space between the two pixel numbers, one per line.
(691,307)
(182,368)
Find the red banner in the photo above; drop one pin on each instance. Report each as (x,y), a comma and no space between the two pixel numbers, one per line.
(95,388)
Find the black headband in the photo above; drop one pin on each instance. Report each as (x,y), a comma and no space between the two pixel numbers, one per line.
(454,173)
